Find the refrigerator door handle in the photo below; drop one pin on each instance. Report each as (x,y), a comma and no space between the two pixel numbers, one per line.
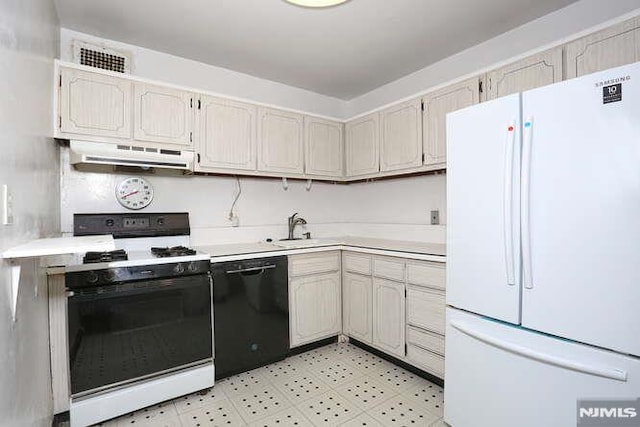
(599,371)
(507,200)
(527,276)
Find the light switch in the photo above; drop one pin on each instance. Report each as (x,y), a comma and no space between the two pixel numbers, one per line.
(7,206)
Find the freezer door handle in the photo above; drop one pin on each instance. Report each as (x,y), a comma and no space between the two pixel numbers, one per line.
(507,201)
(520,350)
(527,276)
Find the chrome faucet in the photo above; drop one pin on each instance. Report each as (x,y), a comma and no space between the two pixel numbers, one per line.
(293,221)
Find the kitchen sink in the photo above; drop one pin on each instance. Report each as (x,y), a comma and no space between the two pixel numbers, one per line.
(303,243)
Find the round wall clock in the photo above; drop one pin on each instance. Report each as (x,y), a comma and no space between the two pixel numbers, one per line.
(134,193)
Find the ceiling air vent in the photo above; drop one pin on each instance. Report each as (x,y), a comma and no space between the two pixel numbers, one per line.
(101,57)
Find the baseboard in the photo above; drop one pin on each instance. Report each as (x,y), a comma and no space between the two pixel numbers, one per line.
(426,375)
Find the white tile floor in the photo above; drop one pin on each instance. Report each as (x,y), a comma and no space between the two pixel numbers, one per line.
(336,385)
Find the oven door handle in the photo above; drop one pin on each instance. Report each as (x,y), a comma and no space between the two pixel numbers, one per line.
(246,270)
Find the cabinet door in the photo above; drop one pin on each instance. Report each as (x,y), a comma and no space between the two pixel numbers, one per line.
(389,316)
(357,306)
(609,48)
(401,142)
(538,70)
(324,148)
(314,308)
(362,145)
(226,136)
(162,114)
(280,141)
(434,120)
(95,104)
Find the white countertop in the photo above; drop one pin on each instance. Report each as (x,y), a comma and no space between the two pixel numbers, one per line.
(60,245)
(435,252)
(406,249)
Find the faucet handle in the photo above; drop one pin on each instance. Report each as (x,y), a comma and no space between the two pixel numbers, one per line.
(307,235)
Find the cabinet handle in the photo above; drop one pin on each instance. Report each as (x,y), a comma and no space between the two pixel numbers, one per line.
(198,157)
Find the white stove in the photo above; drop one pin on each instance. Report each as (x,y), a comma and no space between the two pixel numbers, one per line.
(139,318)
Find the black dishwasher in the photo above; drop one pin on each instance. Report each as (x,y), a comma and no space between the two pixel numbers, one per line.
(251,314)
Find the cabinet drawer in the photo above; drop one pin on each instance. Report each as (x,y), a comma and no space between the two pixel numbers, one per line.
(425,339)
(300,265)
(426,274)
(388,268)
(356,263)
(426,308)
(426,360)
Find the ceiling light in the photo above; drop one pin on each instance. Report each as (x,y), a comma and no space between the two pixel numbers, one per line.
(316,3)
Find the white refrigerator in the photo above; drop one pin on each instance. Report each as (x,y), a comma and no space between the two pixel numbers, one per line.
(543,254)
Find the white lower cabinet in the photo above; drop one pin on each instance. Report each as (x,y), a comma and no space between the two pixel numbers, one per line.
(315,309)
(357,303)
(389,316)
(396,305)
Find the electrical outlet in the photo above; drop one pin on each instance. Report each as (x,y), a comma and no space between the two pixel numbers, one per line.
(7,206)
(435,217)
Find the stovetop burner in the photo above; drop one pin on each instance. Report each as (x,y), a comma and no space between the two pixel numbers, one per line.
(173,251)
(117,255)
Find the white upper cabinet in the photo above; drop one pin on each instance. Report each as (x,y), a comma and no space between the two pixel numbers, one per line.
(362,145)
(538,70)
(401,141)
(609,48)
(280,146)
(226,134)
(162,114)
(324,147)
(94,104)
(434,117)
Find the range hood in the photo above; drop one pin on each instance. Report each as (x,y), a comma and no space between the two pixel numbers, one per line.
(86,154)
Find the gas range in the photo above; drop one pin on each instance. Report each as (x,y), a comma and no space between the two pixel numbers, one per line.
(141,239)
(139,319)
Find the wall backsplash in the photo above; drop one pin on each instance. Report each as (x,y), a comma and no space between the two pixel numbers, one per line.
(393,209)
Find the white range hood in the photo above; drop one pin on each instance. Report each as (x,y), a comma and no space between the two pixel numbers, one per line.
(86,153)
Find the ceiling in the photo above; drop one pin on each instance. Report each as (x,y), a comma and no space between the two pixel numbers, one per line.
(342,51)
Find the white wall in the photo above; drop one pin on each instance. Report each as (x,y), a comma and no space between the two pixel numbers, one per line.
(549,30)
(29,164)
(396,208)
(161,66)
(263,206)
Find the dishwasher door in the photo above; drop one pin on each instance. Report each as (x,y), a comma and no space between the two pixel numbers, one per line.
(251,314)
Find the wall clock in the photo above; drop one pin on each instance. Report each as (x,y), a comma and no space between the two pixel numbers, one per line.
(134,193)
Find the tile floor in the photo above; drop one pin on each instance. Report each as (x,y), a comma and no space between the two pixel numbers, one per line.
(335,385)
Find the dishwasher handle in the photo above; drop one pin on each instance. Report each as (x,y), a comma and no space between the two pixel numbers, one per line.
(247,270)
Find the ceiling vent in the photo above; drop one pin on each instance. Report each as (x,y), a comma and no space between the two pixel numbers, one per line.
(101,57)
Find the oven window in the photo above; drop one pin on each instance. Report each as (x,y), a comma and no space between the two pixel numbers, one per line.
(121,332)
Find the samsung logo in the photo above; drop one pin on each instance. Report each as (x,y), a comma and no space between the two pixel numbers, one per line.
(613,81)
(608,412)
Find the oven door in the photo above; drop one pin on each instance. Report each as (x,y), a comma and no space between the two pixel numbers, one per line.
(129,331)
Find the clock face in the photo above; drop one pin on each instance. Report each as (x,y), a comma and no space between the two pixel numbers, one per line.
(134,193)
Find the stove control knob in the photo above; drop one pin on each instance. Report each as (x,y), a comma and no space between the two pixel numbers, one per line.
(109,275)
(109,222)
(179,269)
(192,267)
(91,277)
